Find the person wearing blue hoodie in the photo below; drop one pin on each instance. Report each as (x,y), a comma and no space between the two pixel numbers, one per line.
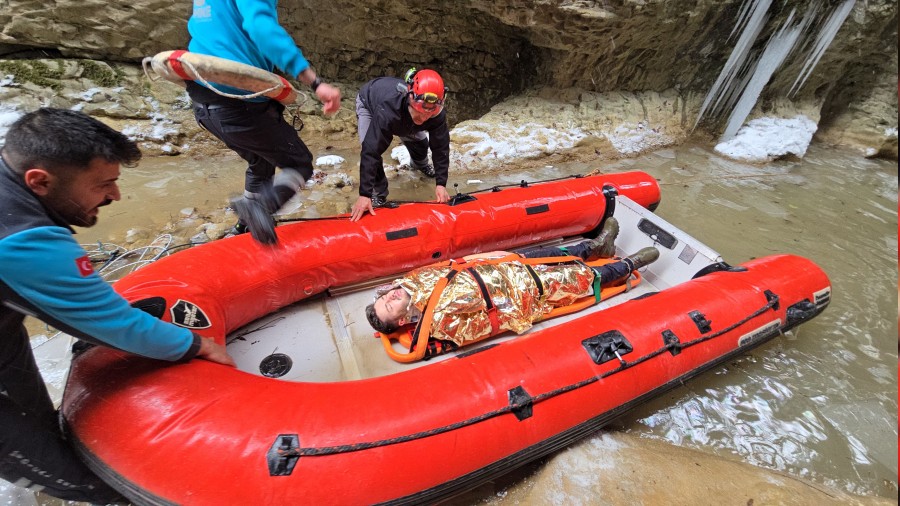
(247,31)
(57,169)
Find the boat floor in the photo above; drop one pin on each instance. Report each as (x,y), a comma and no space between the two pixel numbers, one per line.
(327,338)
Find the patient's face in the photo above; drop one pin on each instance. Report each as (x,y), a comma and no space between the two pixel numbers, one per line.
(393,306)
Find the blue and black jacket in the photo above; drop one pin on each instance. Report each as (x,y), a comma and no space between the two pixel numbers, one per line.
(46,274)
(390,116)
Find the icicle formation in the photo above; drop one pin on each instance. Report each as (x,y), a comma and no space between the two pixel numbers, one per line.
(724,85)
(822,42)
(760,71)
(746,73)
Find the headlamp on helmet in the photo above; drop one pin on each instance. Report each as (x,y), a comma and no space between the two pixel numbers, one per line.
(426,90)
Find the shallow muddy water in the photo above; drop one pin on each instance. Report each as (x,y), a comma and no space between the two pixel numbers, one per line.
(820,403)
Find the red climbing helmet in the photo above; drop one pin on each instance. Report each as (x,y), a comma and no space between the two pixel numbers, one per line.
(426,90)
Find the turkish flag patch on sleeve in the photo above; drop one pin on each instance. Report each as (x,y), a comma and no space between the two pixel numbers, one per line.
(85,267)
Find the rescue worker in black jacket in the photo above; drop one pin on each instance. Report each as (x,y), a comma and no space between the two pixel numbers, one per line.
(413,111)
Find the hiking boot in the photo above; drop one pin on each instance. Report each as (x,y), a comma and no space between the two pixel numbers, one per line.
(378,201)
(426,169)
(238,229)
(604,246)
(255,218)
(644,257)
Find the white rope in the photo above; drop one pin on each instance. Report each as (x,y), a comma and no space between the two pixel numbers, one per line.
(147,64)
(203,81)
(119,260)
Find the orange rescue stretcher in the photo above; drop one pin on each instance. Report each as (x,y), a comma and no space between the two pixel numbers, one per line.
(417,337)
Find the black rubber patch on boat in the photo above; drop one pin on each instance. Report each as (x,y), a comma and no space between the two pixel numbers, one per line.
(607,346)
(275,365)
(609,197)
(406,233)
(772,298)
(657,234)
(189,315)
(671,341)
(800,312)
(703,325)
(154,306)
(718,267)
(523,403)
(460,198)
(280,462)
(543,208)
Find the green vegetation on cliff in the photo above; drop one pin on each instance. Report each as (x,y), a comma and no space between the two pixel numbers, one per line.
(33,71)
(50,73)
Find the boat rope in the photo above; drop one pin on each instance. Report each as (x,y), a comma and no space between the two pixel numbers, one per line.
(516,406)
(212,88)
(521,184)
(116,261)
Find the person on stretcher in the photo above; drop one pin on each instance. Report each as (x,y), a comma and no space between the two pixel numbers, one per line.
(503,293)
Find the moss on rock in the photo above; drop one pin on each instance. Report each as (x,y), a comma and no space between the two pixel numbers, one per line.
(37,72)
(102,74)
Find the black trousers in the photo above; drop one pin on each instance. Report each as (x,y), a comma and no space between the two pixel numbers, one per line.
(258,133)
(33,452)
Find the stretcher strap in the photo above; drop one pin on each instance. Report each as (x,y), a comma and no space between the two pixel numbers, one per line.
(537,280)
(488,302)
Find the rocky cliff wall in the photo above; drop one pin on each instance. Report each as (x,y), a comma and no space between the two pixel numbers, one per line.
(488,51)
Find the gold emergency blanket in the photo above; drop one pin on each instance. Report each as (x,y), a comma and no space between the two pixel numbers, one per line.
(461,312)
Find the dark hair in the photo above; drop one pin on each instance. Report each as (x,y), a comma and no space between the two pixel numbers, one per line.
(60,138)
(376,323)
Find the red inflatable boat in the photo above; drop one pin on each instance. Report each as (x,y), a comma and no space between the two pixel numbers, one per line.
(317,413)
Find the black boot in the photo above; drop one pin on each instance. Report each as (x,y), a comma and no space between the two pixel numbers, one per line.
(426,169)
(256,213)
(378,201)
(238,229)
(254,216)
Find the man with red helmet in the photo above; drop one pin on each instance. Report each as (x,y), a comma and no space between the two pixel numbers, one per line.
(413,111)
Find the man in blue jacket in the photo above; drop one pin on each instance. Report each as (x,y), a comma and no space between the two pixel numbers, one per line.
(57,168)
(413,111)
(247,31)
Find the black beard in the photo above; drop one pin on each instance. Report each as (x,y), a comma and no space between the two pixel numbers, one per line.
(71,213)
